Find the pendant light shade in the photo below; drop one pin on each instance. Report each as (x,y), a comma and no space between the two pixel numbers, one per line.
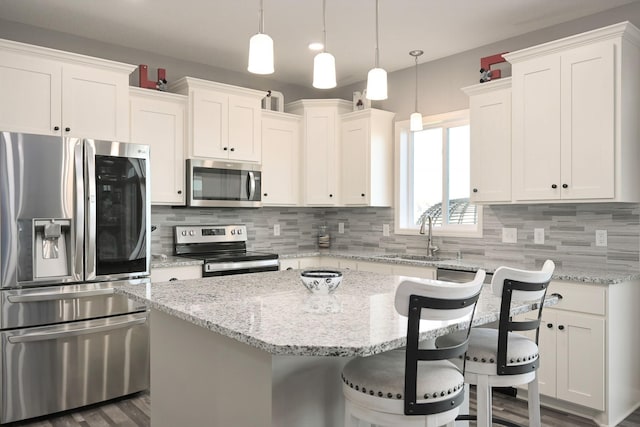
(377,84)
(377,77)
(415,120)
(324,71)
(324,64)
(261,50)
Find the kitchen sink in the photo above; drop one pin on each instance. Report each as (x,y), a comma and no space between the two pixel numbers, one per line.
(408,257)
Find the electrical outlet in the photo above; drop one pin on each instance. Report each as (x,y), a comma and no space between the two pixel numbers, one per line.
(538,236)
(509,235)
(385,230)
(601,238)
(276,229)
(341,228)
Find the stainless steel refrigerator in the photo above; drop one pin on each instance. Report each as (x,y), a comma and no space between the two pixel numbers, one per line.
(74,224)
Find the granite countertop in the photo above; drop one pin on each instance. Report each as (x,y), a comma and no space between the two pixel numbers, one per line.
(168,261)
(274,312)
(596,276)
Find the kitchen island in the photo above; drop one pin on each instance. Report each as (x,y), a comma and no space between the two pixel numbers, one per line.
(260,350)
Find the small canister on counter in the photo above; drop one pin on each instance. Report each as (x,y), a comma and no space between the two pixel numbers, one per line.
(324,239)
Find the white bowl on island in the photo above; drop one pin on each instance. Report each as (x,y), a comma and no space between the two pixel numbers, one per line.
(321,282)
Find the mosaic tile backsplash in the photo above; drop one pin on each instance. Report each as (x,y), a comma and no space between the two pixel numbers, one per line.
(569,232)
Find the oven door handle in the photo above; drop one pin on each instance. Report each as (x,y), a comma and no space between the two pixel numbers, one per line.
(251,184)
(45,336)
(56,296)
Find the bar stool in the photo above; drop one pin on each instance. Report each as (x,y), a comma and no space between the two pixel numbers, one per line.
(500,357)
(415,386)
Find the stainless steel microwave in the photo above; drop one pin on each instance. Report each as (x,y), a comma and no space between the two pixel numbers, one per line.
(214,183)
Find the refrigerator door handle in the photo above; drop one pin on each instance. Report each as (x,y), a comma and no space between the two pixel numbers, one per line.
(78,264)
(44,336)
(90,185)
(56,296)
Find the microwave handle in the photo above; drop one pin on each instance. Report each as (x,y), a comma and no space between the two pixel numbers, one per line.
(251,184)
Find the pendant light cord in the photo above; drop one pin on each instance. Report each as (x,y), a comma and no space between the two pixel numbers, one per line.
(416,84)
(377,50)
(261,19)
(324,25)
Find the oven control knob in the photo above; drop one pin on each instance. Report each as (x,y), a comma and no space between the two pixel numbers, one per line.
(239,231)
(192,233)
(233,232)
(184,232)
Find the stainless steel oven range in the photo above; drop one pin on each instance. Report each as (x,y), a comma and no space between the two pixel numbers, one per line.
(74,224)
(223,248)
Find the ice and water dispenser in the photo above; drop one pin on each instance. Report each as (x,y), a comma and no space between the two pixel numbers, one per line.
(51,248)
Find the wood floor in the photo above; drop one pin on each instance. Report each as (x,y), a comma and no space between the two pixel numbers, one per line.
(134,411)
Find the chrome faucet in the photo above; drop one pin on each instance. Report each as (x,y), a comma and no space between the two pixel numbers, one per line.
(431,249)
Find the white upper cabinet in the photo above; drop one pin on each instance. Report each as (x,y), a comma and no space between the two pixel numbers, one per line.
(50,92)
(575,109)
(320,153)
(158,119)
(224,120)
(490,120)
(281,140)
(366,156)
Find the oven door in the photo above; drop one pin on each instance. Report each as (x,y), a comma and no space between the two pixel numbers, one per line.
(223,184)
(53,368)
(118,213)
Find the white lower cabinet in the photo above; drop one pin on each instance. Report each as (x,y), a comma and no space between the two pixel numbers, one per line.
(298,263)
(409,270)
(183,272)
(586,344)
(375,267)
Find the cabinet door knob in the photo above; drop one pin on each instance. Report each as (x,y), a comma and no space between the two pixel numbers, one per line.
(475,190)
(67,129)
(554,186)
(179,191)
(549,325)
(289,268)
(225,148)
(233,149)
(265,194)
(561,327)
(56,128)
(330,195)
(173,279)
(565,186)
(362,194)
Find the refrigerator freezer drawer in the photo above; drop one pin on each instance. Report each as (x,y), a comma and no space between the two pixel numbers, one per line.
(55,368)
(21,308)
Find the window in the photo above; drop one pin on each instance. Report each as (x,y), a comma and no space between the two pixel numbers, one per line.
(432,177)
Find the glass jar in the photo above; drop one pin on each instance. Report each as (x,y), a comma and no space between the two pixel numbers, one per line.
(324,239)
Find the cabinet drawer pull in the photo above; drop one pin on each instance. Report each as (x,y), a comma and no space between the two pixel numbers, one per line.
(475,190)
(554,186)
(565,186)
(179,191)
(67,129)
(173,279)
(225,148)
(233,149)
(56,128)
(561,327)
(549,325)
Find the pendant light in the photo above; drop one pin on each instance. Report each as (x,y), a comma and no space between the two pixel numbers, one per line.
(377,77)
(324,64)
(415,121)
(261,50)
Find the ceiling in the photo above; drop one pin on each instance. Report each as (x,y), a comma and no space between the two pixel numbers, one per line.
(217,32)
